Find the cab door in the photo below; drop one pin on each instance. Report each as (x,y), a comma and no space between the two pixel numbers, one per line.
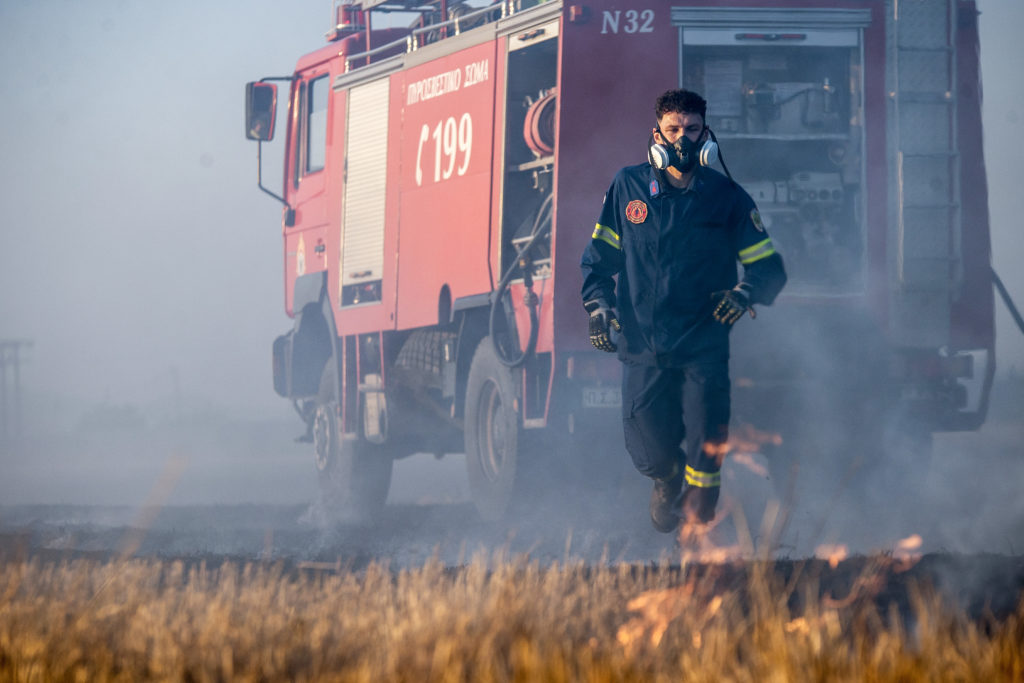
(306,173)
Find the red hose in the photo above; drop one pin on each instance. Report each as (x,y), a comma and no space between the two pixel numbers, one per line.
(539,125)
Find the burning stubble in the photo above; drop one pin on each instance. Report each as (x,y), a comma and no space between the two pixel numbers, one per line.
(496,618)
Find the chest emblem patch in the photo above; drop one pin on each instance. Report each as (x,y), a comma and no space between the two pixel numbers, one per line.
(636,211)
(755,218)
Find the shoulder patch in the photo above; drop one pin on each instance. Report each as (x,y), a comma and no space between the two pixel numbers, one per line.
(755,218)
(636,211)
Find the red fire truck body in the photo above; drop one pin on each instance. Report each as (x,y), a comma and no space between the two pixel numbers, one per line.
(441,182)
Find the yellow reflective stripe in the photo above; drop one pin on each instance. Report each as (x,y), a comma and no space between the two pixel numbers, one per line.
(757,252)
(704,480)
(606,234)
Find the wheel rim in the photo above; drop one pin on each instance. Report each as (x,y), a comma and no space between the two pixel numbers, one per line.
(322,437)
(493,428)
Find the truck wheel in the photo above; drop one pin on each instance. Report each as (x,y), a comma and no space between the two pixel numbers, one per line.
(354,475)
(492,434)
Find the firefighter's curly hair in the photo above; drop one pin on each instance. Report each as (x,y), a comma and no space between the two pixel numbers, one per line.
(680,101)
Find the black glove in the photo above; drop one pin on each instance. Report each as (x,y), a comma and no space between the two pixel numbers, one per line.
(731,304)
(602,319)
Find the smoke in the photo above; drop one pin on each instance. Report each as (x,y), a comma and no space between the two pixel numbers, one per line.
(146,266)
(853,467)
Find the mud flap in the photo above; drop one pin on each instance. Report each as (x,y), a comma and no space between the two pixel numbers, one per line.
(282,363)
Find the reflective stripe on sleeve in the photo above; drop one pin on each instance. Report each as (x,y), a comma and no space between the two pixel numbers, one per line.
(607,235)
(757,252)
(704,480)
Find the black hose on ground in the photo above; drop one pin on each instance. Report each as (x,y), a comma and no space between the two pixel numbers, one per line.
(524,263)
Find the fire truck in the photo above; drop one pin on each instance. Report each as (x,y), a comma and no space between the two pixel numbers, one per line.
(445,161)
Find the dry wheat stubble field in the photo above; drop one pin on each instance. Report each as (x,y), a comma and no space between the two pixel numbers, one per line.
(267,592)
(86,599)
(501,618)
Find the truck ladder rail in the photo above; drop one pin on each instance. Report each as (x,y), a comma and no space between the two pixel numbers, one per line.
(927,209)
(505,7)
(412,41)
(366,54)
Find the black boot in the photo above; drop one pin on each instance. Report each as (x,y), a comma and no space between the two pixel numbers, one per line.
(665,503)
(698,504)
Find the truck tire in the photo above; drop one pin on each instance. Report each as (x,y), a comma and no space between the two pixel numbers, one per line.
(492,433)
(423,353)
(354,475)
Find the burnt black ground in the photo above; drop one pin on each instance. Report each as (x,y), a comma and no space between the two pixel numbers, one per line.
(980,585)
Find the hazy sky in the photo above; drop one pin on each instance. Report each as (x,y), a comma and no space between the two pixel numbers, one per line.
(135,243)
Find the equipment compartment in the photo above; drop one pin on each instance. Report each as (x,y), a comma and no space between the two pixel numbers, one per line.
(786,108)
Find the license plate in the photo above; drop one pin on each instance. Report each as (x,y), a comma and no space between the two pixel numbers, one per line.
(602,397)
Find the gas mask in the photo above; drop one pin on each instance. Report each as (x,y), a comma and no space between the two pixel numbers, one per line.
(683,154)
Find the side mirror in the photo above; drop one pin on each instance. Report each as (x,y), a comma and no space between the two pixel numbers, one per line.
(260,109)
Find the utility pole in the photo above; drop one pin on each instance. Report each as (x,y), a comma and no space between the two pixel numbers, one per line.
(10,389)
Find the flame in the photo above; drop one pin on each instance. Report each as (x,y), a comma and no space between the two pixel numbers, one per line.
(747,439)
(752,435)
(657,609)
(904,556)
(748,461)
(912,542)
(698,541)
(873,579)
(718,451)
(833,553)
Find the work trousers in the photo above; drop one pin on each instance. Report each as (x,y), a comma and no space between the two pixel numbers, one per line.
(663,407)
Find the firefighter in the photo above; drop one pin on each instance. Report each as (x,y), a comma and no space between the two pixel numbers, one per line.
(671,231)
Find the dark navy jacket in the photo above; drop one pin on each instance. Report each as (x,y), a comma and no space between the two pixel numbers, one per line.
(671,249)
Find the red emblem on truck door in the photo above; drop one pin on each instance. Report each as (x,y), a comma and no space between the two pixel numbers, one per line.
(636,211)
